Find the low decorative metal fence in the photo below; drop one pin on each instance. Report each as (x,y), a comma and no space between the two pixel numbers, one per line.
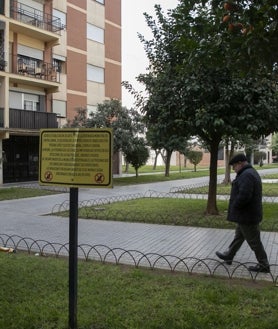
(105,254)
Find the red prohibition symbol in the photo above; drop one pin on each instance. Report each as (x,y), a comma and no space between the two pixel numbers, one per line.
(48,176)
(99,178)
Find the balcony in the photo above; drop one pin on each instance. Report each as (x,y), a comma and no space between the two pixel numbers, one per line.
(31,71)
(23,119)
(34,68)
(35,23)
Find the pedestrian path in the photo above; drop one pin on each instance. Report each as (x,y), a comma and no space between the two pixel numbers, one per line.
(188,249)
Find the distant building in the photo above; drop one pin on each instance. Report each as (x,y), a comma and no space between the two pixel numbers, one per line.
(55,56)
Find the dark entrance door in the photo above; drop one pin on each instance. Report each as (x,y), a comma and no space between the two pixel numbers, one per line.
(21,159)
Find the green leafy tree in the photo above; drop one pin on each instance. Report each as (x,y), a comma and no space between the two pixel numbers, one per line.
(126,123)
(154,144)
(166,127)
(160,138)
(138,153)
(195,157)
(197,85)
(251,32)
(79,120)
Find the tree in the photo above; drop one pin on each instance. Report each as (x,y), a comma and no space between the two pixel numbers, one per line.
(126,123)
(252,32)
(161,108)
(161,138)
(138,154)
(199,84)
(195,157)
(79,120)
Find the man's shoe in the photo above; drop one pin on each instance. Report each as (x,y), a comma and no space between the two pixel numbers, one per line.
(259,268)
(225,256)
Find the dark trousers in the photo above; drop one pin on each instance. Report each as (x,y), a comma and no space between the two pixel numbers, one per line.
(250,233)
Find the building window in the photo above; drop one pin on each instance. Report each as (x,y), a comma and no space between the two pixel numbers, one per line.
(31,102)
(60,108)
(95,33)
(25,101)
(2,7)
(26,51)
(100,1)
(62,16)
(58,65)
(95,73)
(31,106)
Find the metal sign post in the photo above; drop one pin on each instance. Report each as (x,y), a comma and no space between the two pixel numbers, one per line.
(75,157)
(73,256)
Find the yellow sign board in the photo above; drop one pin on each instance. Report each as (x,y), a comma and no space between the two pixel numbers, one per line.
(76,157)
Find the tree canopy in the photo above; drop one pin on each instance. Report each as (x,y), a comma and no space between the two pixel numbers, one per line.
(208,80)
(137,155)
(195,157)
(126,123)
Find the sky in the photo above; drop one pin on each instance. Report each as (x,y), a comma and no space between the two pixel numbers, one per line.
(134,60)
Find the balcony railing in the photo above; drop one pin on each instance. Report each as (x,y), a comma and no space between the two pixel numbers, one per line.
(24,119)
(3,63)
(35,68)
(32,16)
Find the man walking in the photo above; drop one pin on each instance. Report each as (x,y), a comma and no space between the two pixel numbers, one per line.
(245,209)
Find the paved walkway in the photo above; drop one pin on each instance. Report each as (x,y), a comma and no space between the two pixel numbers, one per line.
(177,248)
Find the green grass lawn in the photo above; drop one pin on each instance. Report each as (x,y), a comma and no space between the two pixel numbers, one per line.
(185,212)
(149,169)
(11,193)
(269,189)
(34,295)
(160,177)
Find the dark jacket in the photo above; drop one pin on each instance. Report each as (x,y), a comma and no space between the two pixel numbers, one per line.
(245,206)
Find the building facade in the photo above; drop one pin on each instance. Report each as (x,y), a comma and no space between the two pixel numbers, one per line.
(55,56)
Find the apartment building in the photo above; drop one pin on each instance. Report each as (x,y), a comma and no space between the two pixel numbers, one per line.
(55,56)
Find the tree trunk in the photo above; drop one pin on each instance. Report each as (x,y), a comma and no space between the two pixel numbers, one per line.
(167,163)
(228,155)
(126,167)
(211,203)
(155,159)
(164,157)
(227,178)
